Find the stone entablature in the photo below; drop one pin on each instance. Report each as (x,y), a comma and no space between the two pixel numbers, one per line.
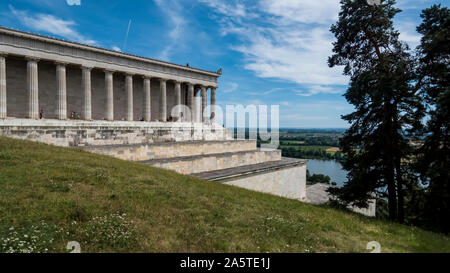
(45,48)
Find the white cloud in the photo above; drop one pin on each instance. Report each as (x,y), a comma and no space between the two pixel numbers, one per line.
(51,24)
(73,2)
(317,89)
(287,40)
(116,48)
(232,86)
(302,11)
(409,34)
(237,10)
(173,10)
(290,40)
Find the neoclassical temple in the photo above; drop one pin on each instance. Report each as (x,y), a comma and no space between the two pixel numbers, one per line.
(133,108)
(44,77)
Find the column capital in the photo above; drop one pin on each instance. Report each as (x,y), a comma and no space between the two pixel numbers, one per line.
(3,54)
(34,59)
(86,68)
(61,63)
(163,80)
(108,71)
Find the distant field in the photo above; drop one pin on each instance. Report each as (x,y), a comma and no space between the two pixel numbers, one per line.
(292,142)
(333,150)
(304,148)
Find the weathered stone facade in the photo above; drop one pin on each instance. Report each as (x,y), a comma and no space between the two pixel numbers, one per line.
(285,177)
(216,161)
(284,182)
(80,133)
(158,150)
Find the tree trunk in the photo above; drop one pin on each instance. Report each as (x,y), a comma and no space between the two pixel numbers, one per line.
(392,194)
(400,192)
(389,157)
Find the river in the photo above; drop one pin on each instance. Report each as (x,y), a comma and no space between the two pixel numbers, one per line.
(332,168)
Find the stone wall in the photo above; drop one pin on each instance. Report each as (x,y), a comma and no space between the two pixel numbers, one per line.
(285,182)
(142,152)
(83,133)
(217,161)
(318,195)
(17,99)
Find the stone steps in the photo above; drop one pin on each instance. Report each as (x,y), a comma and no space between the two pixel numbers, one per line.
(164,150)
(216,161)
(284,177)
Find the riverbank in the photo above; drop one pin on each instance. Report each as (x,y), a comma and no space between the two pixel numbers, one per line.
(331,168)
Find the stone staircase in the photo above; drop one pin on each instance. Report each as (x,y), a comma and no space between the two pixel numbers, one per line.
(217,161)
(233,162)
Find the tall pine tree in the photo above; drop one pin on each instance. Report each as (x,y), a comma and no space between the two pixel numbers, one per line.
(434,155)
(381,73)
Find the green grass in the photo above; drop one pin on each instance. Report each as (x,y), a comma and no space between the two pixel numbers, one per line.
(109,205)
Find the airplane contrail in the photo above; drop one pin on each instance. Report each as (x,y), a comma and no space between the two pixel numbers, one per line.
(126,36)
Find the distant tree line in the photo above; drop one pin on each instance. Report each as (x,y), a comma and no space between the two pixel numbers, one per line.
(318,178)
(312,141)
(311,153)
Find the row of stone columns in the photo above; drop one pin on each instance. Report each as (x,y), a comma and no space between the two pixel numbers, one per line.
(61,111)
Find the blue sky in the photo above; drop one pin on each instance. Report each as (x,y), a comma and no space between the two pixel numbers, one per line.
(272,52)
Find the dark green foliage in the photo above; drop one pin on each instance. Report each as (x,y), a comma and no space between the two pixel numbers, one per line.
(434,156)
(381,72)
(317,178)
(310,153)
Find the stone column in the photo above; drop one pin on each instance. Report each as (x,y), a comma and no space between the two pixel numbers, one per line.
(178,101)
(147,100)
(61,104)
(87,93)
(196,105)
(163,100)
(190,100)
(213,105)
(109,107)
(33,89)
(129,92)
(3,106)
(203,113)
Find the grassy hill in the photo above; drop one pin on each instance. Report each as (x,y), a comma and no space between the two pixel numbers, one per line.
(50,196)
